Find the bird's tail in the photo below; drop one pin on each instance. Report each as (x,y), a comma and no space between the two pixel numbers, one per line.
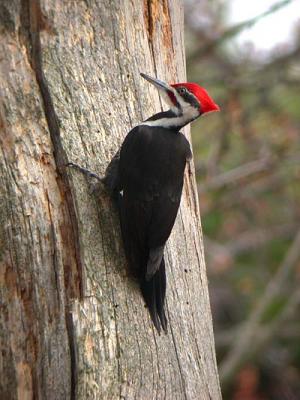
(154,292)
(148,266)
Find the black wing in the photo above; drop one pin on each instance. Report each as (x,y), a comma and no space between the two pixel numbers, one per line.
(151,170)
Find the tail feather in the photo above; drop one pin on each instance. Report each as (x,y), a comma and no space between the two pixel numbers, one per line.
(160,278)
(154,261)
(148,266)
(154,293)
(149,294)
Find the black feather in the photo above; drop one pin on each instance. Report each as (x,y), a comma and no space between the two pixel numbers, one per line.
(150,174)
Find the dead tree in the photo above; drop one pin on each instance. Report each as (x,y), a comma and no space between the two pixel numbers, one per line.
(73,323)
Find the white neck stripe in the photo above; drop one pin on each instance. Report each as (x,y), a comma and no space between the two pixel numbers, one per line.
(166,122)
(189,115)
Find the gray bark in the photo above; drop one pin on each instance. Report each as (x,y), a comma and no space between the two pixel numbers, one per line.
(73,323)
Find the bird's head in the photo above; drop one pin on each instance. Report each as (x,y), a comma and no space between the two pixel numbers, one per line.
(187,100)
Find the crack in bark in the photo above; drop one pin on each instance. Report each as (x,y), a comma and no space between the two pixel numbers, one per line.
(73,353)
(149,22)
(54,251)
(32,22)
(158,11)
(148,19)
(36,23)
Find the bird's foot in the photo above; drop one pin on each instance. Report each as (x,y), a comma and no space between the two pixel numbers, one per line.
(94,188)
(84,171)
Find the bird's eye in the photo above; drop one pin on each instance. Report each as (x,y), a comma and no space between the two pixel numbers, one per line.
(182,90)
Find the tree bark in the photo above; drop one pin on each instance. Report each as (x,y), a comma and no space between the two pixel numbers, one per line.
(73,323)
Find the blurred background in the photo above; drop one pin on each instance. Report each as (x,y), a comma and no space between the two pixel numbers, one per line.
(247,157)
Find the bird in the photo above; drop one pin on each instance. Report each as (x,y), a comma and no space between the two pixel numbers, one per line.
(145,178)
(147,175)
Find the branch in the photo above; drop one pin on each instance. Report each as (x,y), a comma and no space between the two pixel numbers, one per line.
(258,237)
(275,326)
(225,338)
(247,340)
(236,174)
(234,30)
(251,190)
(273,179)
(246,241)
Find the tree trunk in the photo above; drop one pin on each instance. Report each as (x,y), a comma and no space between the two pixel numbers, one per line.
(73,323)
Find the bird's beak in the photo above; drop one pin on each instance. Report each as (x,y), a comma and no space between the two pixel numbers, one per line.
(166,91)
(160,85)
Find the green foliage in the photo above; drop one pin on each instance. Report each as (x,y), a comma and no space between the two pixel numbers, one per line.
(274,310)
(212,223)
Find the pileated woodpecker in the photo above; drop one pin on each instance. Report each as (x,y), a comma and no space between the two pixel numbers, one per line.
(146,177)
(150,177)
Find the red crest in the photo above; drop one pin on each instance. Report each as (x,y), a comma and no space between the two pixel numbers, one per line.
(206,102)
